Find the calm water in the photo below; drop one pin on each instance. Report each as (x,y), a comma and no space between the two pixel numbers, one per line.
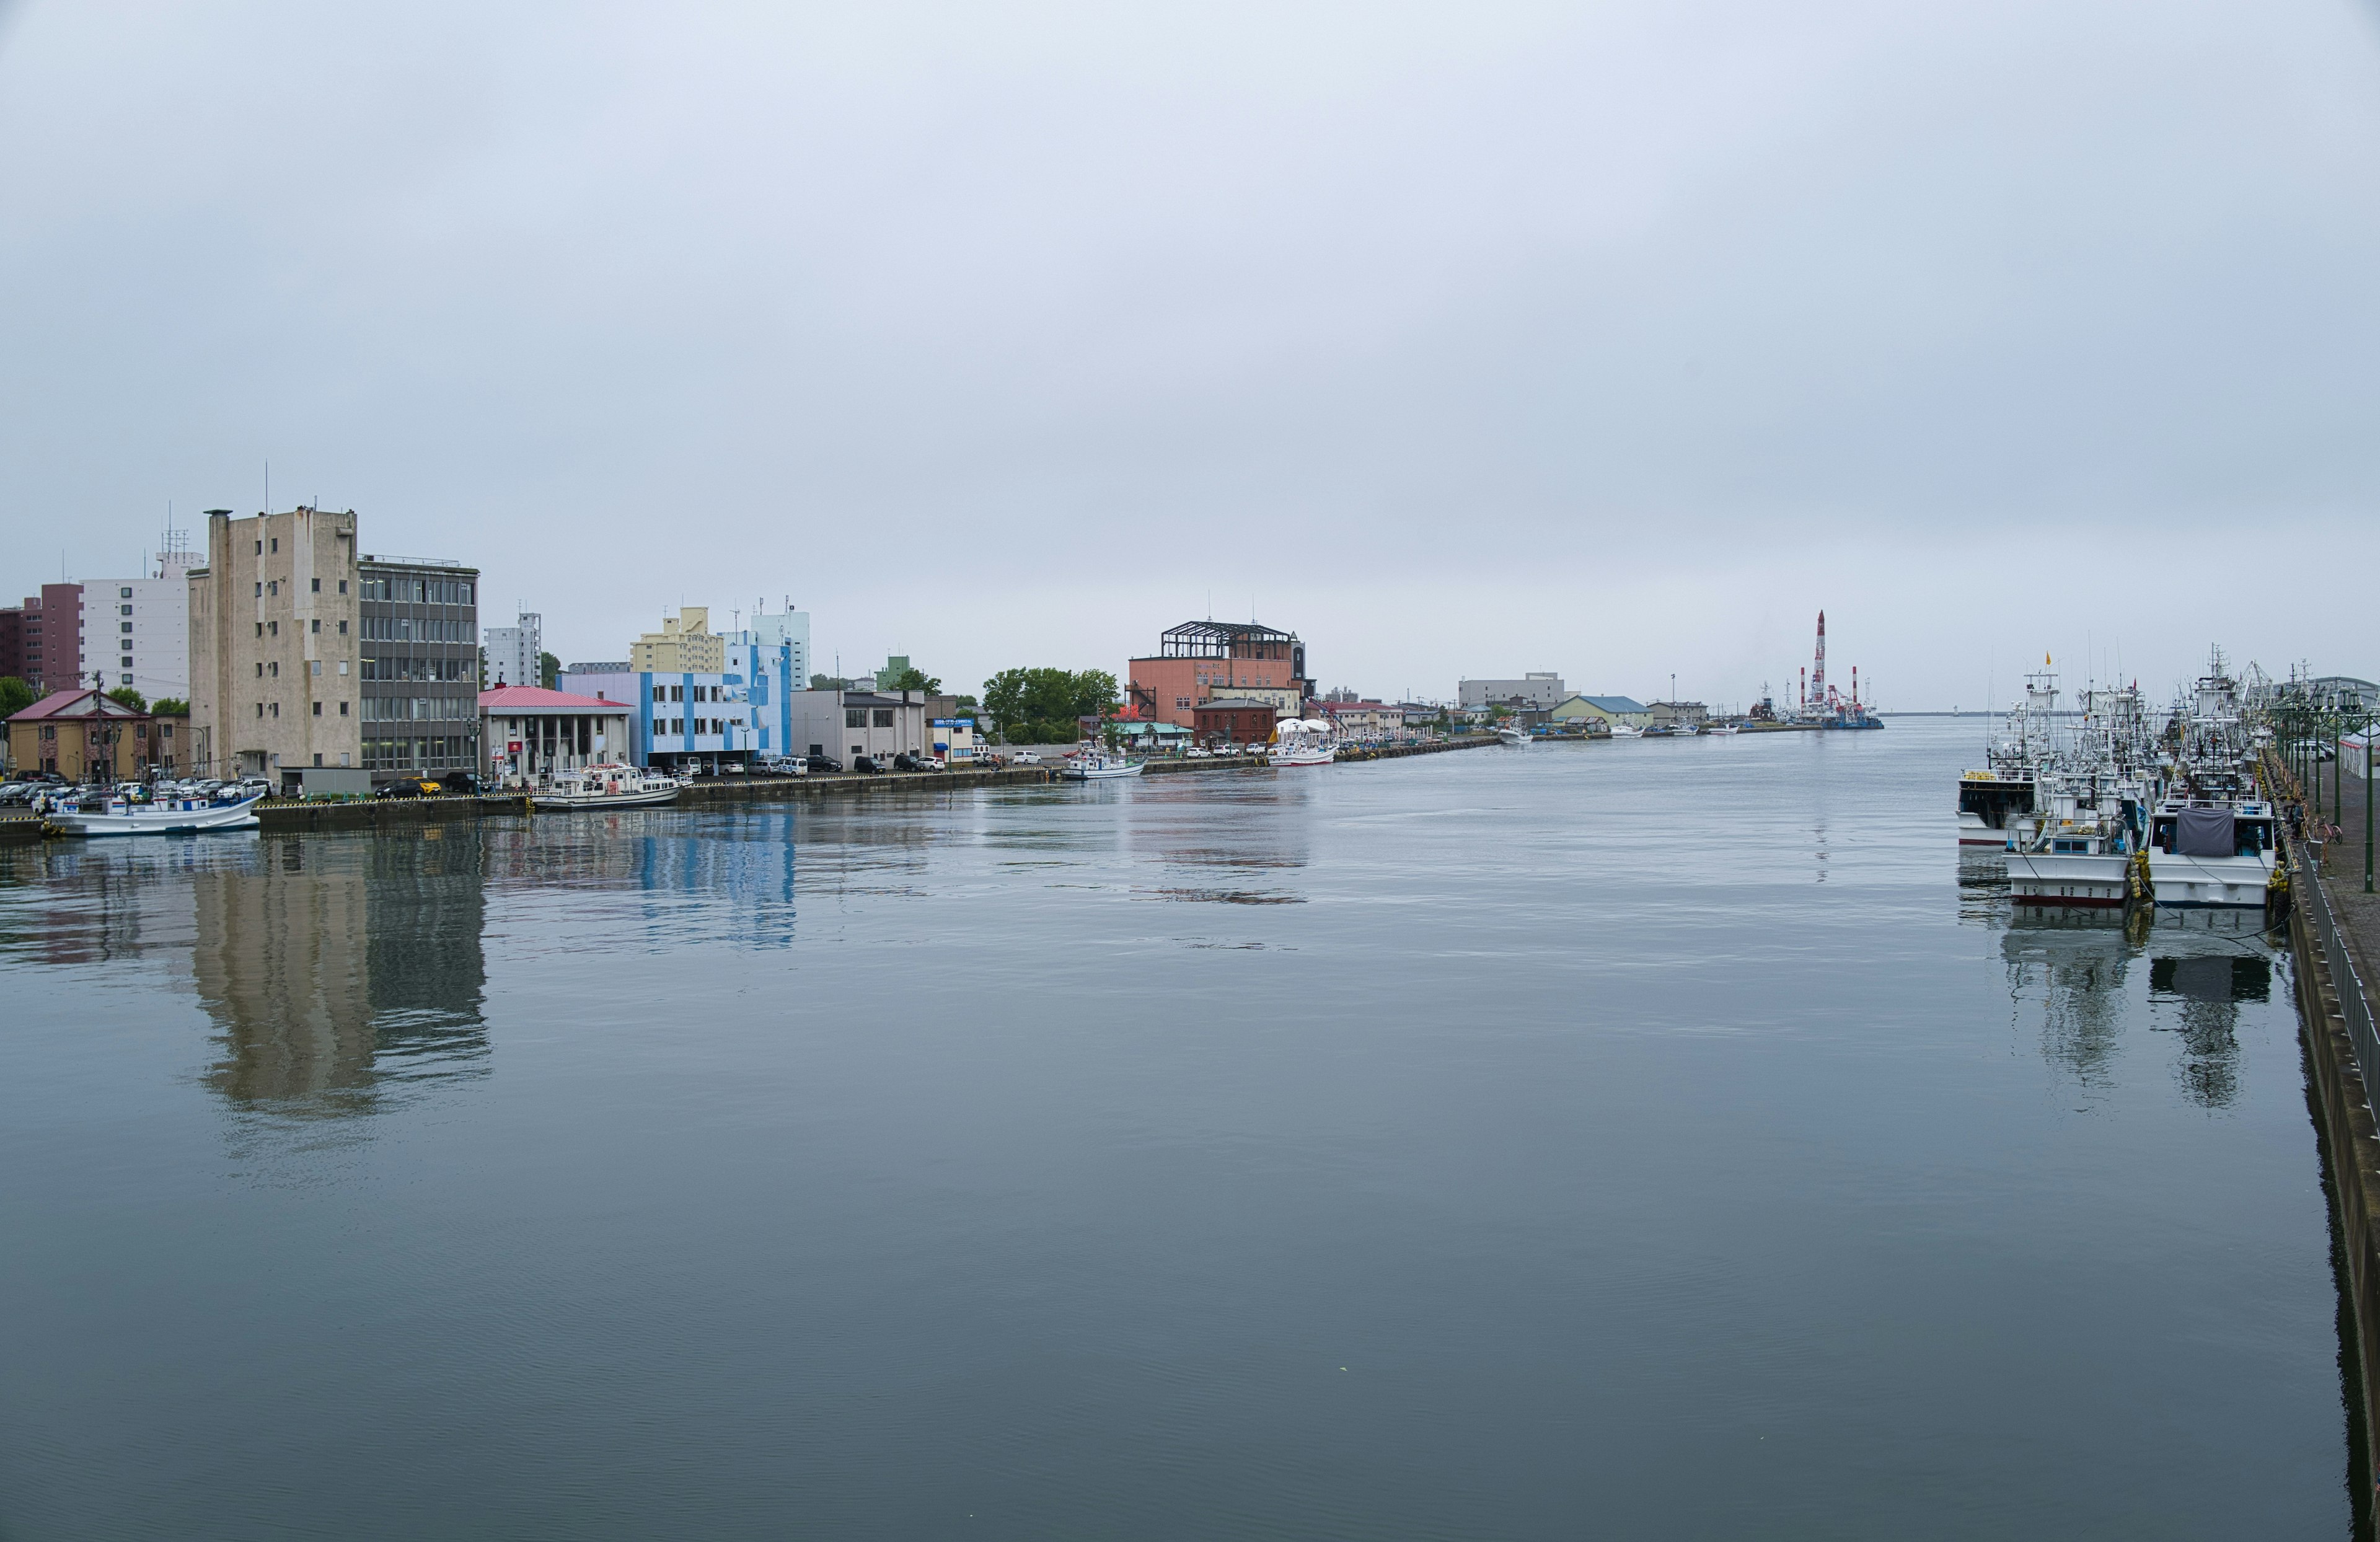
(1626,1139)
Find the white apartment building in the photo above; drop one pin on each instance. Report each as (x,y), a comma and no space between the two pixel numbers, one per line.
(512,652)
(137,631)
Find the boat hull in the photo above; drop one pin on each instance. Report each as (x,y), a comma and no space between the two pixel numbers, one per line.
(180,819)
(1302,758)
(2094,879)
(2209,883)
(606,800)
(1098,774)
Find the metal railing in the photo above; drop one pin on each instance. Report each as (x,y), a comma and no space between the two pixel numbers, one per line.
(2354,1006)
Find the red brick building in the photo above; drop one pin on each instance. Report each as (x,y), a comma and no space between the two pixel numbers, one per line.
(1235,721)
(1205,660)
(41,641)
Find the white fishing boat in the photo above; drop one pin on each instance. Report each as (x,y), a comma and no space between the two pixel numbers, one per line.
(2212,852)
(164,815)
(1512,736)
(606,786)
(1723,730)
(1303,742)
(1097,766)
(2082,847)
(1626,731)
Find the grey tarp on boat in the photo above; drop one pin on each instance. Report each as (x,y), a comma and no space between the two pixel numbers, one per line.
(2204,833)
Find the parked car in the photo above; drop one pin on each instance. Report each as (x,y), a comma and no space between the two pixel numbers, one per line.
(408,787)
(867,765)
(911,760)
(250,786)
(1024,758)
(13,792)
(821,764)
(462,783)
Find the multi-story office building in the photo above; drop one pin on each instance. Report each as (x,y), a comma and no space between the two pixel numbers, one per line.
(514,652)
(685,645)
(41,641)
(135,632)
(419,619)
(306,652)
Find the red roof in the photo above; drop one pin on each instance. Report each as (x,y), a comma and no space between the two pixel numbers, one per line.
(63,704)
(532,700)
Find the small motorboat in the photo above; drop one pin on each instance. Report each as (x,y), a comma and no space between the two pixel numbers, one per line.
(1512,736)
(156,816)
(1723,730)
(606,786)
(1097,766)
(1626,731)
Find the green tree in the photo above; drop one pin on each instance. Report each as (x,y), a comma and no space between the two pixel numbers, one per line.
(1045,706)
(915,679)
(549,670)
(15,696)
(127,696)
(170,706)
(836,683)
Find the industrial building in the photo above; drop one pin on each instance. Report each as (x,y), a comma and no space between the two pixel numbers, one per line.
(1540,691)
(1201,660)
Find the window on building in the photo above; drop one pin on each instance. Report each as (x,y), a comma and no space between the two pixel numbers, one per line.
(276,709)
(274,587)
(124,610)
(343,713)
(318,712)
(260,588)
(259,708)
(318,585)
(343,588)
(259,629)
(276,543)
(124,626)
(274,669)
(260,548)
(883,717)
(854,717)
(318,624)
(342,628)
(123,594)
(274,628)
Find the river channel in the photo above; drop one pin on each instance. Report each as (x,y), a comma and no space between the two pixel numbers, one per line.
(1653,1139)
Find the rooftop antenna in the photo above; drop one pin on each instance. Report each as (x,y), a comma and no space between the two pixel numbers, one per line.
(268,485)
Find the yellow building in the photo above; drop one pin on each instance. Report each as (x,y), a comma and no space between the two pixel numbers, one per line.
(685,645)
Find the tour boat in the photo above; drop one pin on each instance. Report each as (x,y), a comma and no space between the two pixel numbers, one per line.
(606,786)
(1303,742)
(1098,767)
(164,815)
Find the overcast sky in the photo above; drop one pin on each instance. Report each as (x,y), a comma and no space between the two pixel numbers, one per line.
(1462,339)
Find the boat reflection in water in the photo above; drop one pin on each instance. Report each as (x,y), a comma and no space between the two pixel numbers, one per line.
(2079,971)
(335,969)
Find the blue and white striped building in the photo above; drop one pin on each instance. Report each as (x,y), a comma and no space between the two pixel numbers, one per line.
(741,712)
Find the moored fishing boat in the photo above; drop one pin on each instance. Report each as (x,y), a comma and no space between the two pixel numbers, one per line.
(1097,766)
(607,786)
(1303,742)
(2212,852)
(167,816)
(1626,731)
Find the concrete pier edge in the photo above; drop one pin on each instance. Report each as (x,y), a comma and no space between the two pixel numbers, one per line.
(2350,1144)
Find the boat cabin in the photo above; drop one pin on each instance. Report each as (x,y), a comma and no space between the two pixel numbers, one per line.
(2206,826)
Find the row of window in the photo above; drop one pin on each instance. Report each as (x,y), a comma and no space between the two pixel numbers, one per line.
(273,629)
(856,717)
(435,753)
(701,725)
(416,591)
(701,693)
(407,628)
(398,709)
(421,669)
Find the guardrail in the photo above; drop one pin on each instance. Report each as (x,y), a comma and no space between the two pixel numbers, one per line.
(2354,1006)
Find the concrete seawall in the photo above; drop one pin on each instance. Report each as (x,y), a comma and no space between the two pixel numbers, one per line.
(396,815)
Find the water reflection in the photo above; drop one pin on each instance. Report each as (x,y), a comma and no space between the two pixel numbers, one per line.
(638,870)
(332,967)
(2074,969)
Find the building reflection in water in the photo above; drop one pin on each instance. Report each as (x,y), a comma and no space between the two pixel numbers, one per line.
(680,875)
(335,968)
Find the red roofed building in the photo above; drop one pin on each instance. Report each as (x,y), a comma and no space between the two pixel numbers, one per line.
(531,732)
(84,736)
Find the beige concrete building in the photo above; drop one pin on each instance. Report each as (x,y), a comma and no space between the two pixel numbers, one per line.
(272,644)
(306,652)
(685,645)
